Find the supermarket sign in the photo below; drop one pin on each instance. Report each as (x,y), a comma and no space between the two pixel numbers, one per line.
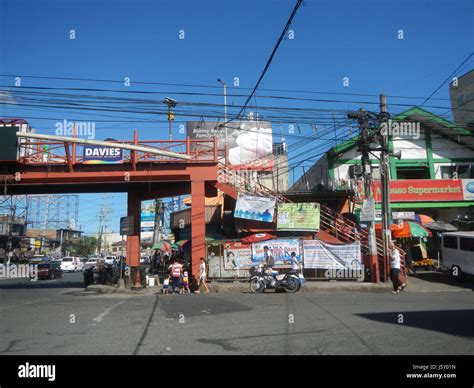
(427,190)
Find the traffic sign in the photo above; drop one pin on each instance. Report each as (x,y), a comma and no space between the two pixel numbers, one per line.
(126,226)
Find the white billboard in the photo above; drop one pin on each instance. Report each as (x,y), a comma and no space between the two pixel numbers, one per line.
(250,142)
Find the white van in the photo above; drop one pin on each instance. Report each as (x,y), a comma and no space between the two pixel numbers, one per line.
(458,253)
(71,264)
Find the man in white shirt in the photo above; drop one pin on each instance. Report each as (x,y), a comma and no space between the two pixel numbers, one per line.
(395,269)
(295,264)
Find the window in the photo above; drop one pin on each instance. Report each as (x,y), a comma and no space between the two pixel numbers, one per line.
(450,242)
(463,172)
(466,244)
(421,172)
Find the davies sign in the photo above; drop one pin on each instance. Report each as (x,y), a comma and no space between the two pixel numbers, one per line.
(102,155)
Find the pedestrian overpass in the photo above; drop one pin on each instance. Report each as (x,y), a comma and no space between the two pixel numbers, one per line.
(149,169)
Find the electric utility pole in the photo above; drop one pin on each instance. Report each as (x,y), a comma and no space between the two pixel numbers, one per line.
(158,229)
(370,125)
(366,139)
(385,175)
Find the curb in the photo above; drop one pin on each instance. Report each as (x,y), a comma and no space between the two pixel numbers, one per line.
(244,289)
(104,289)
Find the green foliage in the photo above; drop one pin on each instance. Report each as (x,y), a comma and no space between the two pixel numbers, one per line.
(87,246)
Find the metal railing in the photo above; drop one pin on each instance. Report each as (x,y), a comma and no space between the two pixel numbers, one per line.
(337,225)
(49,152)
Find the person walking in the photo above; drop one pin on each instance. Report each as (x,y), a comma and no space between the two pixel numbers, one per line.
(295,264)
(268,257)
(395,269)
(202,276)
(409,258)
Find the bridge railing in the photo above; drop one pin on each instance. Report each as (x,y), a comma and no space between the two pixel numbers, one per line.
(47,152)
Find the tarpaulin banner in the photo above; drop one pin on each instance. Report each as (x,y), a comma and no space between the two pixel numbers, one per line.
(298,216)
(237,256)
(250,141)
(252,207)
(280,250)
(147,220)
(321,255)
(102,155)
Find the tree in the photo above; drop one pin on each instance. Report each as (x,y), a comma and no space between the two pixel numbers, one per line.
(87,246)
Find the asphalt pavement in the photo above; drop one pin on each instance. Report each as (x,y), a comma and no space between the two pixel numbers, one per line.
(57,317)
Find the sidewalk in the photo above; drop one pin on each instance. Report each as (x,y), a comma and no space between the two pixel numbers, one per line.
(425,282)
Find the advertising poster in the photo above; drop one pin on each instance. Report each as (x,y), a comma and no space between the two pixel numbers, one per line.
(250,141)
(298,216)
(147,220)
(280,249)
(237,256)
(468,189)
(102,155)
(253,207)
(320,255)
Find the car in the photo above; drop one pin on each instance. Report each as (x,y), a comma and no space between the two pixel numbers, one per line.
(92,262)
(110,260)
(458,253)
(51,270)
(36,259)
(71,263)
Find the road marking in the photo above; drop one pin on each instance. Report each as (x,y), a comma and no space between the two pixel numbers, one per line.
(101,316)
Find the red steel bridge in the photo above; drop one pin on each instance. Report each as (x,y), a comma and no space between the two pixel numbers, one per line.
(58,166)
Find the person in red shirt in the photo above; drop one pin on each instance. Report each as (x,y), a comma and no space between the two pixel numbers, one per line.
(176,269)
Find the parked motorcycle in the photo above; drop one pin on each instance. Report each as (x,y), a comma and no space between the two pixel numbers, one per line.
(262,279)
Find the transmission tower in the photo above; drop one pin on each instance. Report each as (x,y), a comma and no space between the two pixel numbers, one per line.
(104,220)
(53,211)
(13,212)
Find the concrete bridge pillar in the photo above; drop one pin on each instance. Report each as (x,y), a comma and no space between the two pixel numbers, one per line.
(133,241)
(198,226)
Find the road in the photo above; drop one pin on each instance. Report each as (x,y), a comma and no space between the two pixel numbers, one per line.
(59,317)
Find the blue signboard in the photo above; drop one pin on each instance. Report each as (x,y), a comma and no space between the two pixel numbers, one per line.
(102,155)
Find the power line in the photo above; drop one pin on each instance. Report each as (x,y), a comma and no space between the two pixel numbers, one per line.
(288,23)
(204,86)
(447,79)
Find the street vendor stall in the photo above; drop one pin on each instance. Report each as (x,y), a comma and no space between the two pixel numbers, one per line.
(414,235)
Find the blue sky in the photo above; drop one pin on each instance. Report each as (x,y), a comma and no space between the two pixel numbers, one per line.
(227,39)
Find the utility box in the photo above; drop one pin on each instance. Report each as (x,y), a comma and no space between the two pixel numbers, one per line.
(9,146)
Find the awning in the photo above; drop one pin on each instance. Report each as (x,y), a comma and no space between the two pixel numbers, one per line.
(440,226)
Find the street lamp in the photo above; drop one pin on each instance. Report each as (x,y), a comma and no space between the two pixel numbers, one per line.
(225,115)
(171,104)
